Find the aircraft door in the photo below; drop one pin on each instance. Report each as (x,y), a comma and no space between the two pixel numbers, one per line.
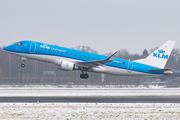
(32,47)
(130,66)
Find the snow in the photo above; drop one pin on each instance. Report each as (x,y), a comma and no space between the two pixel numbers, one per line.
(85,92)
(77,86)
(87,111)
(79,111)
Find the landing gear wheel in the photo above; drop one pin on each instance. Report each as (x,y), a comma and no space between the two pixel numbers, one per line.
(24,60)
(22,65)
(84,76)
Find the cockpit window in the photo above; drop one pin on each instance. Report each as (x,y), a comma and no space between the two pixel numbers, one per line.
(18,43)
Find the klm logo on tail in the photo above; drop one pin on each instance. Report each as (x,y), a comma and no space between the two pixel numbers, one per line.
(160,54)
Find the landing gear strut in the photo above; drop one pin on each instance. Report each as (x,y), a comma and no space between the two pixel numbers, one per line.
(24,60)
(84,76)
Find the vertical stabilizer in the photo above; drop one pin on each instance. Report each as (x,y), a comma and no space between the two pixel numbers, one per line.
(160,56)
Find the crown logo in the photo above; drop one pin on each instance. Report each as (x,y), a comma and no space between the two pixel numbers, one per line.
(161,51)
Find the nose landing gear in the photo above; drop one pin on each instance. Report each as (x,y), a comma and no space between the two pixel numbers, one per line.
(22,65)
(24,60)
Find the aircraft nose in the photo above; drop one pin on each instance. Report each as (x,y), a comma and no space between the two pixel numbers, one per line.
(8,48)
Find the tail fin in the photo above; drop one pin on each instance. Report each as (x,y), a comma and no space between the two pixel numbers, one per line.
(160,56)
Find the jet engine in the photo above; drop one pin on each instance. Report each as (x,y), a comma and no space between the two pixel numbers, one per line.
(65,65)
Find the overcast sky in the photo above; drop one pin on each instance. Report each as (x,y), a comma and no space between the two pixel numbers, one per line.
(104,25)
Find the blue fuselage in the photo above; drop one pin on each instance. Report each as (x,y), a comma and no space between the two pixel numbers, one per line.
(49,53)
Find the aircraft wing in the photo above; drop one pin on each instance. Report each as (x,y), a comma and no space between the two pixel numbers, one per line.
(89,64)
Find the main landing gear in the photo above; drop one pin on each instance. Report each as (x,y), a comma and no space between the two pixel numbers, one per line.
(84,76)
(24,60)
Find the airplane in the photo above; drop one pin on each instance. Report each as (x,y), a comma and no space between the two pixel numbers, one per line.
(71,59)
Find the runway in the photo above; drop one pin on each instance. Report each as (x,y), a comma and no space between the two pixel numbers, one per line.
(92,99)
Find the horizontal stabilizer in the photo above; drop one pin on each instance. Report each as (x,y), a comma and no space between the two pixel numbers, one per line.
(160,70)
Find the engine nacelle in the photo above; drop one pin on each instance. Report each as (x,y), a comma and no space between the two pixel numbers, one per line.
(65,65)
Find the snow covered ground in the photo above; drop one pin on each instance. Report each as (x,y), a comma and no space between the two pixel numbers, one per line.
(89,111)
(85,92)
(80,86)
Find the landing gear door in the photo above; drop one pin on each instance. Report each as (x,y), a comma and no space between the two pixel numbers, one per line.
(32,47)
(130,66)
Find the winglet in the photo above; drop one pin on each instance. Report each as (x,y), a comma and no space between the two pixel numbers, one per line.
(112,57)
